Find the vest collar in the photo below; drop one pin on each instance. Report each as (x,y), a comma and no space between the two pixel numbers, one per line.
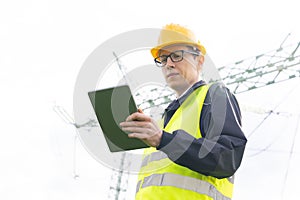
(181,99)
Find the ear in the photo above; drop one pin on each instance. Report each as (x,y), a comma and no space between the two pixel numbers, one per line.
(200,62)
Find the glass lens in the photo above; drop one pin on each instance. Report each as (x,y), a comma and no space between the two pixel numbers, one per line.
(163,59)
(176,56)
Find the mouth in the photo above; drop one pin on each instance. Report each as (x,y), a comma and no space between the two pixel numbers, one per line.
(172,74)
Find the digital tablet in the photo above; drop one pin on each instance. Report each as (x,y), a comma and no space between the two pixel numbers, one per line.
(112,106)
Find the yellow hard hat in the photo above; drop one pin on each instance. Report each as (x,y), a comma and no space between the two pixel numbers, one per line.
(176,34)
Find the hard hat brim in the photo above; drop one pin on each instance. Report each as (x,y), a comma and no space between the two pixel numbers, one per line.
(155,50)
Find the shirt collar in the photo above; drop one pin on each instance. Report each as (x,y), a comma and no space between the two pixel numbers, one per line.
(190,90)
(184,92)
(178,101)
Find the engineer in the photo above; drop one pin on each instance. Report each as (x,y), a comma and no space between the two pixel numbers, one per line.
(199,145)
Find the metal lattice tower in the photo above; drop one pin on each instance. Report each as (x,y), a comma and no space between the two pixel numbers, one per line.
(276,66)
(119,180)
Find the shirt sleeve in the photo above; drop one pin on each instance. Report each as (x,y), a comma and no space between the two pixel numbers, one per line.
(220,150)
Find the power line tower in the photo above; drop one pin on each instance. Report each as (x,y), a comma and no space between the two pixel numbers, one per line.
(119,180)
(262,70)
(68,119)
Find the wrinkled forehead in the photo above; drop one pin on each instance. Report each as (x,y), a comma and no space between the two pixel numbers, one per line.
(174,47)
(171,48)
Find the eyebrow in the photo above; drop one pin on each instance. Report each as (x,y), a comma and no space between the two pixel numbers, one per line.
(169,52)
(187,46)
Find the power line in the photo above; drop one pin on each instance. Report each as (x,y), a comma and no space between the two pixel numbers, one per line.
(290,157)
(267,147)
(271,111)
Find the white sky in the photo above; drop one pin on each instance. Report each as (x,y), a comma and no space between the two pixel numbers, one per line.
(43,45)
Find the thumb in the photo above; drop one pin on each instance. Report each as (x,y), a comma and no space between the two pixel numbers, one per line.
(140,110)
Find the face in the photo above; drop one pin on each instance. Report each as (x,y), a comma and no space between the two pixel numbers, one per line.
(183,74)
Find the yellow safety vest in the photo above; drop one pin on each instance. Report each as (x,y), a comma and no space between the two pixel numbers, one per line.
(160,178)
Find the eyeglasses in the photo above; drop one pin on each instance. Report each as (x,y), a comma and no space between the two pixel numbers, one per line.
(175,56)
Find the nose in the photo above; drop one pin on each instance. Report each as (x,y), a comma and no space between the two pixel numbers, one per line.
(169,63)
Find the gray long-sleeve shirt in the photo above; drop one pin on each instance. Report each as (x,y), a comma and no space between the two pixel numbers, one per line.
(220,150)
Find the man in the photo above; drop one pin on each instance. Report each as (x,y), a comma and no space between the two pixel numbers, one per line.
(199,145)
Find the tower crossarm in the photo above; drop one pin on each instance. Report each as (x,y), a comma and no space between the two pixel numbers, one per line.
(262,70)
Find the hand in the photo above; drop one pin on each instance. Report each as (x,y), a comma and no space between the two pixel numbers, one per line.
(142,127)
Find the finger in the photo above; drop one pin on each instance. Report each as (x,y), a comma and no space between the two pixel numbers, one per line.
(141,124)
(137,136)
(138,117)
(136,130)
(140,110)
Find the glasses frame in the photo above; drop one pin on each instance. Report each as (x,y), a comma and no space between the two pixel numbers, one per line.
(159,63)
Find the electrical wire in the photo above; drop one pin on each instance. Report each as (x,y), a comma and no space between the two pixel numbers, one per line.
(271,111)
(290,158)
(267,147)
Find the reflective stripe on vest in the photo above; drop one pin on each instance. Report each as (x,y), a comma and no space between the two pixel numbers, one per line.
(188,183)
(159,155)
(156,156)
(161,176)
